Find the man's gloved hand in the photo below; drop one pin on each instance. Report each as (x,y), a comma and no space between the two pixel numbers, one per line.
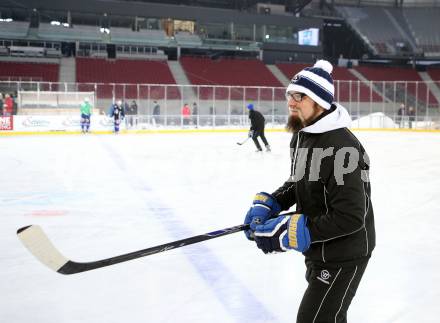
(251,133)
(283,233)
(263,208)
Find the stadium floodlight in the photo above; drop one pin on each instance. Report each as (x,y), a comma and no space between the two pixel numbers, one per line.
(6,19)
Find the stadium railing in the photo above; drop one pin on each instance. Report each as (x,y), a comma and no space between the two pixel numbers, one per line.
(371,104)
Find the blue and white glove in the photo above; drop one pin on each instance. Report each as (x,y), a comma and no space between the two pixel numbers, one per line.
(263,208)
(283,233)
(251,133)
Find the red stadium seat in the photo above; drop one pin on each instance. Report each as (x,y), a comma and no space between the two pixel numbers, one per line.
(124,71)
(411,81)
(46,72)
(230,72)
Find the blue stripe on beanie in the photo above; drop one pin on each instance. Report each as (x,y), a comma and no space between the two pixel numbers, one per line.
(315,88)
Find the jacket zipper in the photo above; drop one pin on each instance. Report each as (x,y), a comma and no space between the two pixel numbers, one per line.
(295,155)
(326,212)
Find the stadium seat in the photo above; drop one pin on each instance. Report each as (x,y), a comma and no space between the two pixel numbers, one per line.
(125,71)
(230,72)
(20,71)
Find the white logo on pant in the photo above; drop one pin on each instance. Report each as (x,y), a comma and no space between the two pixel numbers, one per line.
(325,275)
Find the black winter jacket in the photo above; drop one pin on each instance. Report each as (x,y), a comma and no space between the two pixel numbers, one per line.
(329,183)
(257,120)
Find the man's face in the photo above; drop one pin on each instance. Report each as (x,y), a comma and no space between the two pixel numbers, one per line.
(302,110)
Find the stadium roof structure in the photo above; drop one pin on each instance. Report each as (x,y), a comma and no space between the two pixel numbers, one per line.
(53,9)
(242,5)
(225,4)
(22,8)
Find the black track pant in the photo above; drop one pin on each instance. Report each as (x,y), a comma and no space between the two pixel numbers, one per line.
(329,293)
(259,133)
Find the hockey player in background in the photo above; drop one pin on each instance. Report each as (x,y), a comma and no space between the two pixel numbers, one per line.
(117,113)
(333,225)
(86,112)
(257,127)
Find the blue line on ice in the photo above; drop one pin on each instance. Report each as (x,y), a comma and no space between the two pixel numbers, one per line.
(235,297)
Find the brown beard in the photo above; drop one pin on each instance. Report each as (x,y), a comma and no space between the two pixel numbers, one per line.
(294,123)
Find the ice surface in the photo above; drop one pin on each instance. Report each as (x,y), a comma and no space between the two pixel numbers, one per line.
(100,196)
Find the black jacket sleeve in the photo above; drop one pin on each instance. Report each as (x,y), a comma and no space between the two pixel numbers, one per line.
(285,195)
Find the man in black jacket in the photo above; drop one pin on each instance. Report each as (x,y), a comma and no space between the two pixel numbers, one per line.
(334,224)
(257,127)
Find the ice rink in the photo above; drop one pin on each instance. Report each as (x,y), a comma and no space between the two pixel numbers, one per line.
(98,196)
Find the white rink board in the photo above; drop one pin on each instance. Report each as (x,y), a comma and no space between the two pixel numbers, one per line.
(61,123)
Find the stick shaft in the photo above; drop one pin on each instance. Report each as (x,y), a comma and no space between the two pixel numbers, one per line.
(34,238)
(74,267)
(37,242)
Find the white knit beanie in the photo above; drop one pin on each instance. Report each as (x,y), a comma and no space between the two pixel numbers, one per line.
(316,82)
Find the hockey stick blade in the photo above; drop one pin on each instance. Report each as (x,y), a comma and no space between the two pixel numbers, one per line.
(37,242)
(243,142)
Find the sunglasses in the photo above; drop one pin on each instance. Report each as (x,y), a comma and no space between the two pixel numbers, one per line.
(295,96)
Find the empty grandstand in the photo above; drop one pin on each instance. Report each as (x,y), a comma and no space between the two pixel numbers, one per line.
(223,54)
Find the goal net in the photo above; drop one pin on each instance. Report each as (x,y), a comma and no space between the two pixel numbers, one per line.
(51,102)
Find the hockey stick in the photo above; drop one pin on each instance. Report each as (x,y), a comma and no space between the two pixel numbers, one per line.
(241,143)
(37,242)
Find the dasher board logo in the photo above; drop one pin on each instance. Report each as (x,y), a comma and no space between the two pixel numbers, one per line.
(6,123)
(72,121)
(33,122)
(106,122)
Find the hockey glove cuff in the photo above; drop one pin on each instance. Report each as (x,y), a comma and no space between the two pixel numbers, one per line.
(283,233)
(264,207)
